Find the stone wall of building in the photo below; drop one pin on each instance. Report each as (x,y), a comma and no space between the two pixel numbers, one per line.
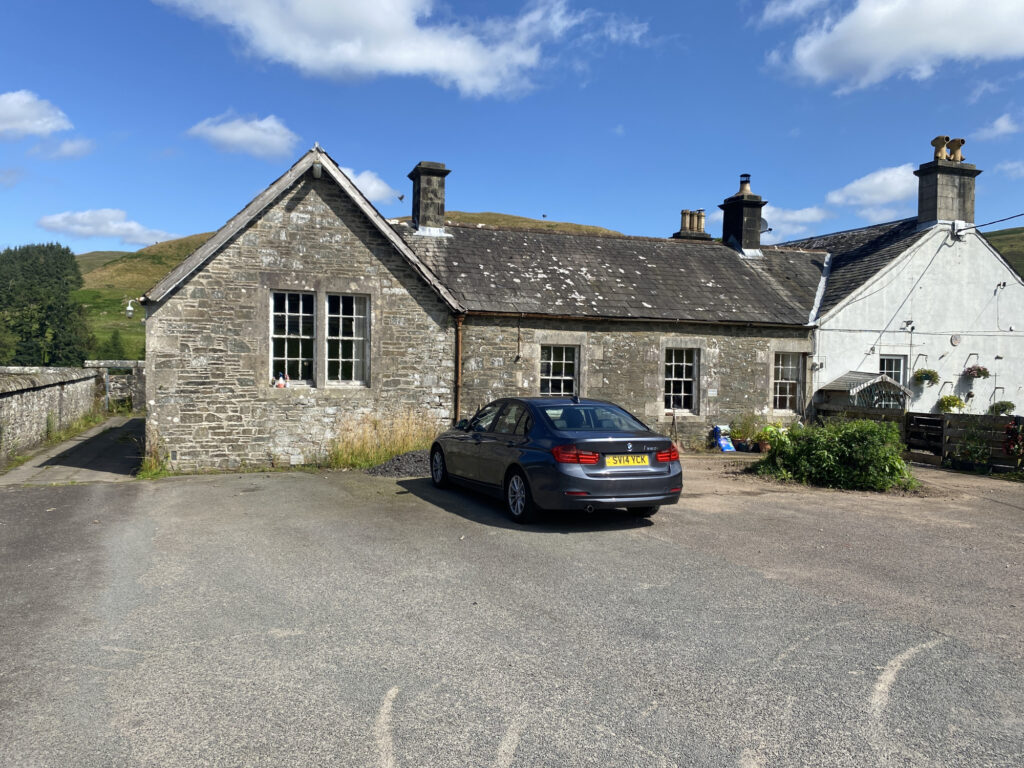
(210,401)
(624,362)
(36,402)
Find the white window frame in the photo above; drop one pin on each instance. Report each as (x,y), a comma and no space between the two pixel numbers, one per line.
(298,336)
(314,341)
(559,365)
(787,393)
(349,329)
(886,401)
(690,357)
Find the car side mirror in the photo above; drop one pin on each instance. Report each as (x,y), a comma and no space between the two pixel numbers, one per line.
(463,424)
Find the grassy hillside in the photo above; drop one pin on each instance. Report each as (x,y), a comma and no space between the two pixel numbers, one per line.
(506,221)
(87,262)
(1010,243)
(109,286)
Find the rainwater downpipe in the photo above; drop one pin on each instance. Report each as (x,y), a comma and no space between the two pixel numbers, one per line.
(458,367)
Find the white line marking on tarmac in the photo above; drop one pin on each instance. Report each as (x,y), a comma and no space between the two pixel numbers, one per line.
(382,730)
(880,695)
(507,747)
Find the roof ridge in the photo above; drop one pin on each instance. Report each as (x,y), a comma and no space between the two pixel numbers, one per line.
(848,231)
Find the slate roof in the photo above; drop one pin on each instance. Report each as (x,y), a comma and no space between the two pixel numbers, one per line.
(521,271)
(859,254)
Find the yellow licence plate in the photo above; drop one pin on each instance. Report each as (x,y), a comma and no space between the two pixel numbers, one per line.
(626,460)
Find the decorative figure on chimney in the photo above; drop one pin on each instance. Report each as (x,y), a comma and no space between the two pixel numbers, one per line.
(939,142)
(954,146)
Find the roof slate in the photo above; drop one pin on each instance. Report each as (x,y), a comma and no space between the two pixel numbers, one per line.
(859,254)
(522,271)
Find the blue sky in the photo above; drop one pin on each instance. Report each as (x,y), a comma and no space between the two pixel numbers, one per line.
(128,121)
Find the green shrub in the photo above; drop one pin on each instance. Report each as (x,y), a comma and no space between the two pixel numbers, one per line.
(1001,408)
(950,403)
(1013,445)
(853,455)
(973,447)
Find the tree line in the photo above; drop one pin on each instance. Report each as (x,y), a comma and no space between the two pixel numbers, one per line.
(40,322)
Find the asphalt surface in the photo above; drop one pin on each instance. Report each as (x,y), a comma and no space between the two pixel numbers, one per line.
(341,619)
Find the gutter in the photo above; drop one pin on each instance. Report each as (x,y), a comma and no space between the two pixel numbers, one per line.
(458,366)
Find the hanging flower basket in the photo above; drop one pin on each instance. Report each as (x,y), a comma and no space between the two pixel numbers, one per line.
(926,376)
(950,403)
(976,372)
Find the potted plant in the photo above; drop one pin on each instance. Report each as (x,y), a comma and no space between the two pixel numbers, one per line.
(950,403)
(976,372)
(926,376)
(743,428)
(1014,443)
(1001,408)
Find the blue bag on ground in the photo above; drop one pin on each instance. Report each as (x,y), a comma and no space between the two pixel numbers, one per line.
(723,440)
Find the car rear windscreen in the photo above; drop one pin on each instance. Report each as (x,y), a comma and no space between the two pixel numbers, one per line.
(591,418)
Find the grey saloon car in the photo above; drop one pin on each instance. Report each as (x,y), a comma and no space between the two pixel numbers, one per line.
(544,453)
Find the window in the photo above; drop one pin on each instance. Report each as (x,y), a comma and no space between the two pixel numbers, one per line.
(895,367)
(557,370)
(319,338)
(293,335)
(484,418)
(346,338)
(509,419)
(787,381)
(680,379)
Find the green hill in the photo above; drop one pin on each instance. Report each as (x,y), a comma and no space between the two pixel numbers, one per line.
(1010,243)
(109,284)
(87,262)
(506,221)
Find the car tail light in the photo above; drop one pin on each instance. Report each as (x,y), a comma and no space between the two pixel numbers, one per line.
(672,454)
(570,454)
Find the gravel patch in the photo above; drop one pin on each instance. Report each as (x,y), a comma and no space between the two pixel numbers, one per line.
(411,464)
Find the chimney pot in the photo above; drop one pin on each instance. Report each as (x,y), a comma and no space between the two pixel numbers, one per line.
(945,187)
(741,223)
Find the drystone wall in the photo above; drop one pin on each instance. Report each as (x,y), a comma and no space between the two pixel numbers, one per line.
(209,398)
(36,402)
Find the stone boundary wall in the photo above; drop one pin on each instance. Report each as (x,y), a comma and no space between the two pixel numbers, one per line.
(35,402)
(122,386)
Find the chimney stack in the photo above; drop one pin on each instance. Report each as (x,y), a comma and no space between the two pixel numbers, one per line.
(691,226)
(741,224)
(428,197)
(945,188)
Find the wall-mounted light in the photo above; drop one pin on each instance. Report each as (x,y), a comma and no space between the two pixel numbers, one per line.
(129,311)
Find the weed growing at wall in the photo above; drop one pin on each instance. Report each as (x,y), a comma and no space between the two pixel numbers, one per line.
(372,441)
(853,455)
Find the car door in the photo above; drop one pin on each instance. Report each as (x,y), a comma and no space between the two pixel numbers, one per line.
(501,446)
(477,440)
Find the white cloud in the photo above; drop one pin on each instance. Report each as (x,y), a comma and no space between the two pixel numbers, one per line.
(878,39)
(22,113)
(103,222)
(407,37)
(981,89)
(1013,169)
(65,149)
(74,148)
(878,188)
(373,186)
(10,176)
(1003,125)
(783,10)
(787,223)
(268,137)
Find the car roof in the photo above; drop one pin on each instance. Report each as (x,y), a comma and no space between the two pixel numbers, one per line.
(563,401)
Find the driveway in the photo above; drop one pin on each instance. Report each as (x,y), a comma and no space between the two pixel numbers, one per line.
(341,619)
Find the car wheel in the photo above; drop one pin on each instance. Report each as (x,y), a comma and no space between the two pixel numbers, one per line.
(518,500)
(438,468)
(642,511)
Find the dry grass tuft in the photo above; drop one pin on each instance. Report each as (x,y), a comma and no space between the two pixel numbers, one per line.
(372,441)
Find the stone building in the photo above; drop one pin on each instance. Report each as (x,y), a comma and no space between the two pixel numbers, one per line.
(369,318)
